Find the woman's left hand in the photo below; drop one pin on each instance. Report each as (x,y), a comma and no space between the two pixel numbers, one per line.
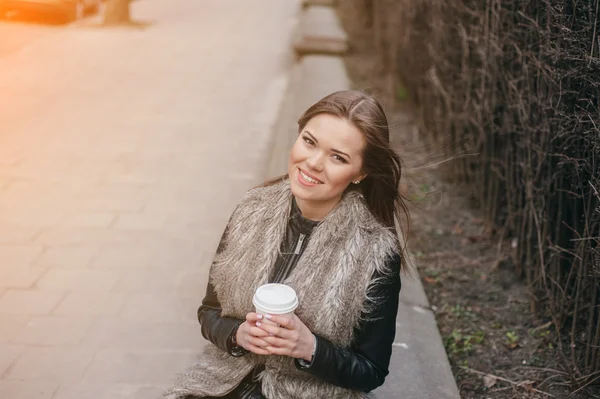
(292,337)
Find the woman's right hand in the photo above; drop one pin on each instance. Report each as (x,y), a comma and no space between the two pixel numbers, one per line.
(249,336)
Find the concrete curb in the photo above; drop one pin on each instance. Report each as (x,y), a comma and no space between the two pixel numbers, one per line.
(320,32)
(329,3)
(419,367)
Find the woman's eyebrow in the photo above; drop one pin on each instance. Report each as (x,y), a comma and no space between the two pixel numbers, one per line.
(333,149)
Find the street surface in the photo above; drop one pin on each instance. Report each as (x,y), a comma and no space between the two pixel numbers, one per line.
(19,34)
(122,154)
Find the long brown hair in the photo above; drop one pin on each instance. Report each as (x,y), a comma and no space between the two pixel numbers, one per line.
(381,163)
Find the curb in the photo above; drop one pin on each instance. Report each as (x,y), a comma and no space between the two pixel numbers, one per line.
(419,367)
(320,32)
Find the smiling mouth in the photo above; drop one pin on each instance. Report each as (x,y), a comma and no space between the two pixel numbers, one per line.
(308,178)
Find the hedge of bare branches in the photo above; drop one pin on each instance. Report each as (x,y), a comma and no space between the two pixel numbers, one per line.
(517,82)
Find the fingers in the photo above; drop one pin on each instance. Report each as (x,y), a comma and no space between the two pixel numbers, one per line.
(275,341)
(283,321)
(257,332)
(251,338)
(249,330)
(257,350)
(274,330)
(253,317)
(262,337)
(256,342)
(273,350)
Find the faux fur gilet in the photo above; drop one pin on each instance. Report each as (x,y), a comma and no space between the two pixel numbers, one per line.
(333,280)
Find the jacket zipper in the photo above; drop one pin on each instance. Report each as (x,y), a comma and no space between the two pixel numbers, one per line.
(284,270)
(299,243)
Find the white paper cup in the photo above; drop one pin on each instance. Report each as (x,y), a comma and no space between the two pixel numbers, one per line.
(275,299)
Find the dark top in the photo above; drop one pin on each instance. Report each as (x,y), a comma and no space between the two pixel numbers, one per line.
(364,365)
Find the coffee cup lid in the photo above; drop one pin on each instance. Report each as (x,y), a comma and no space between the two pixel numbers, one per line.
(276,298)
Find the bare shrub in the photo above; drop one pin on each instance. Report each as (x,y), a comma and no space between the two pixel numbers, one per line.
(517,82)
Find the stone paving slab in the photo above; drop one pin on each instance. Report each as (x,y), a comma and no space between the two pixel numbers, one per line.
(107,391)
(17,35)
(122,154)
(18,389)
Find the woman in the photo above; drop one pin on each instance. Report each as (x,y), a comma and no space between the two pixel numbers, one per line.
(326,229)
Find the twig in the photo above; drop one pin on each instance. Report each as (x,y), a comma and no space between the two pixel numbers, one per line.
(519,384)
(594,37)
(589,376)
(458,156)
(543,326)
(456,254)
(542,369)
(594,188)
(585,239)
(589,383)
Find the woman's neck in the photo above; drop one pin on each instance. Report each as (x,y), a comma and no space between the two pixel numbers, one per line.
(315,210)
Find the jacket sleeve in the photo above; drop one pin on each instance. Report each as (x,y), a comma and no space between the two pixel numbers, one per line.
(364,365)
(216,328)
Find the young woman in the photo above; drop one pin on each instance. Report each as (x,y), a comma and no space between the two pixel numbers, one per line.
(327,229)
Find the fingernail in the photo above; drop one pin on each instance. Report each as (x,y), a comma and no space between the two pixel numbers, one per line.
(258,324)
(259,316)
(268,316)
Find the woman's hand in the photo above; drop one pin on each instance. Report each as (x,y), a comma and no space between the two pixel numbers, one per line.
(250,337)
(292,337)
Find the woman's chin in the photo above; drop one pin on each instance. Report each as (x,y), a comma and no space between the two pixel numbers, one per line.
(302,192)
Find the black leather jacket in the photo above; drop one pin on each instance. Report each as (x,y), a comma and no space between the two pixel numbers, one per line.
(364,365)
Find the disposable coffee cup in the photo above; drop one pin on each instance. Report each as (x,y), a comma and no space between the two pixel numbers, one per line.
(275,299)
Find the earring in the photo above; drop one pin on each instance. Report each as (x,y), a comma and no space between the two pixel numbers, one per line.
(356,182)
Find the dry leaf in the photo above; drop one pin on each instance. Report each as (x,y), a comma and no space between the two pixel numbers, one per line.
(431,280)
(489,381)
(457,230)
(477,238)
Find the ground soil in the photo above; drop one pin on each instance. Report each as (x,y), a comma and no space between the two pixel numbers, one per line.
(497,347)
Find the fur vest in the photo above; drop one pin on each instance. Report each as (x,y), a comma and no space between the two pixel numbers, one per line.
(333,280)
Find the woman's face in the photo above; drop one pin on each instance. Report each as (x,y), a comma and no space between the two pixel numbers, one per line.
(328,149)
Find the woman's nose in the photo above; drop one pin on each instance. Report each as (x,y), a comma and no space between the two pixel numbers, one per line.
(315,162)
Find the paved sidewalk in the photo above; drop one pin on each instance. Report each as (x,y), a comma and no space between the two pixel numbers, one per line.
(122,154)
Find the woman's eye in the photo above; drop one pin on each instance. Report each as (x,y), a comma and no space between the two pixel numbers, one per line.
(335,156)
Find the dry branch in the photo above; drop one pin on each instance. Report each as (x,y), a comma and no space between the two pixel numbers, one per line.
(517,82)
(523,384)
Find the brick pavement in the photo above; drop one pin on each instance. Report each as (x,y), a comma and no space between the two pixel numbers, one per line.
(122,154)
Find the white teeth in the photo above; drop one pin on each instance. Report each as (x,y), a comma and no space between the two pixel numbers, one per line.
(309,179)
